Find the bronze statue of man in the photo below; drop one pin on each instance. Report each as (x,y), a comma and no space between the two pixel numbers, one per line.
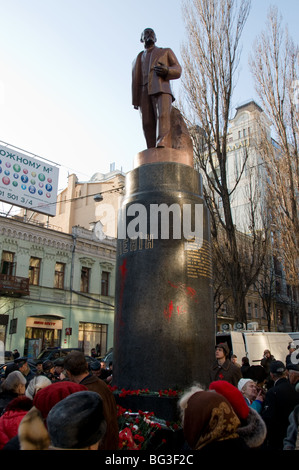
(153,69)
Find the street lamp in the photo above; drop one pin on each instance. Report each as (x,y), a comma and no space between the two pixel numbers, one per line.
(98,198)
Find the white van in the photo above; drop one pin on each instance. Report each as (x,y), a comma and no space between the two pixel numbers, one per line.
(252,344)
(295,337)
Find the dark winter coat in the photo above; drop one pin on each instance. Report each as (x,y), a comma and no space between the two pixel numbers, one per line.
(5,398)
(266,362)
(279,402)
(227,371)
(291,441)
(111,439)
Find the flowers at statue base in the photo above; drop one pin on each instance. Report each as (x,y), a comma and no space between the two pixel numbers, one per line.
(137,430)
(168,393)
(145,391)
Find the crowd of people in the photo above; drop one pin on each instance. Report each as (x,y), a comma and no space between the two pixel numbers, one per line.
(270,390)
(68,404)
(65,404)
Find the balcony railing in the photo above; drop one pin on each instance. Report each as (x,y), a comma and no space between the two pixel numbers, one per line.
(13,286)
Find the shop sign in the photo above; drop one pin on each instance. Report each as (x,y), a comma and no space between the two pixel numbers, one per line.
(43,323)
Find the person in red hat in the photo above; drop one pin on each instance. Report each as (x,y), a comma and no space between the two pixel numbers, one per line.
(252,428)
(43,402)
(223,368)
(46,398)
(220,420)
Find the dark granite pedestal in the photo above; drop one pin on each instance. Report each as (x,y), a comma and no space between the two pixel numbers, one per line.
(163,407)
(164,322)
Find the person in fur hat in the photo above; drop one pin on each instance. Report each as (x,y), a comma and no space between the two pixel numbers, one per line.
(49,396)
(82,430)
(43,401)
(65,429)
(32,432)
(209,422)
(252,428)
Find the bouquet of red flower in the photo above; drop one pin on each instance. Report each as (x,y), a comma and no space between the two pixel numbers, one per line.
(138,429)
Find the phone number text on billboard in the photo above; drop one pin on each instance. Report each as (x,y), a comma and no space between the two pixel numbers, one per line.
(27,182)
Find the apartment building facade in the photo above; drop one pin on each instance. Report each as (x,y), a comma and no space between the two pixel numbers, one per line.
(271,296)
(56,288)
(92,203)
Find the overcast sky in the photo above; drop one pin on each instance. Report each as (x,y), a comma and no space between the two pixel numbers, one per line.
(65,75)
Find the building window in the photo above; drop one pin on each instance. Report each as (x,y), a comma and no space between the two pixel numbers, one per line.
(34,270)
(85,273)
(278,286)
(249,310)
(105,283)
(59,276)
(256,310)
(279,317)
(93,335)
(8,266)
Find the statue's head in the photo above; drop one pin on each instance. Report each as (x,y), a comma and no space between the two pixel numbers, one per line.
(148,36)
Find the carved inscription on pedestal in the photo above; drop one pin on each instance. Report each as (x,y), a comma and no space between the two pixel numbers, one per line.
(199,261)
(135,244)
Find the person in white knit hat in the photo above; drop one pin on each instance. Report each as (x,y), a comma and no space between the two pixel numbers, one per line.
(253,396)
(36,384)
